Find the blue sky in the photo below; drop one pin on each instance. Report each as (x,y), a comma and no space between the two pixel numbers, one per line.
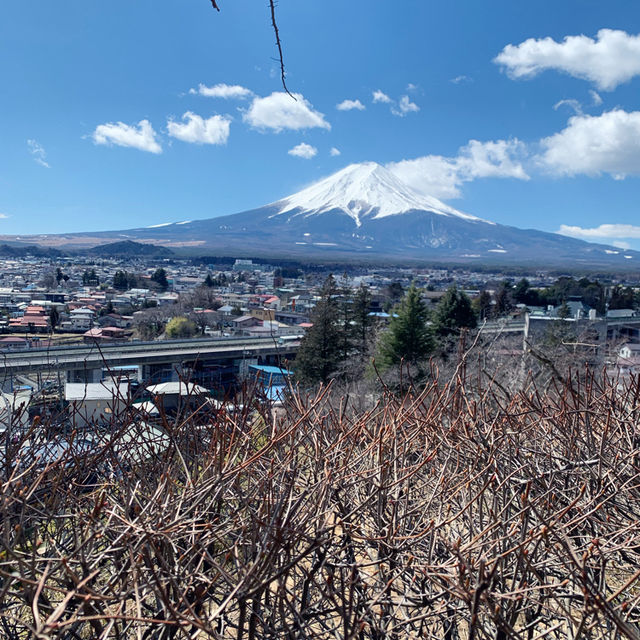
(123,114)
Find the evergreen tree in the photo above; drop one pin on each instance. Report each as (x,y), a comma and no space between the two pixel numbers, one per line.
(160,278)
(521,291)
(319,354)
(362,321)
(453,313)
(408,338)
(90,278)
(54,318)
(120,280)
(482,305)
(503,299)
(344,299)
(209,281)
(622,298)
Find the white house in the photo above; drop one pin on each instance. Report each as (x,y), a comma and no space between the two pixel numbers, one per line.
(95,403)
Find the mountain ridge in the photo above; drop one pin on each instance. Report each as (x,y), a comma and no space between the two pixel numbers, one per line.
(363,210)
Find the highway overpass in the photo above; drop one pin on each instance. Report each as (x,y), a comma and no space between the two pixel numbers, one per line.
(95,357)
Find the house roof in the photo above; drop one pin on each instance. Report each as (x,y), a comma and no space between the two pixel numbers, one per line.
(147,407)
(176,388)
(270,369)
(246,318)
(107,390)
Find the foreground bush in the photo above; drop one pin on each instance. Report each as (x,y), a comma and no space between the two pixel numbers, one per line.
(440,514)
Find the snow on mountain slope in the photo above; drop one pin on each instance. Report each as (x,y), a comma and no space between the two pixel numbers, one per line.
(363,190)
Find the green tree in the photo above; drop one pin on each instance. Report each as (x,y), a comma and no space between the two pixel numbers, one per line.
(622,298)
(393,292)
(209,281)
(453,313)
(59,275)
(482,305)
(90,278)
(504,302)
(54,318)
(181,327)
(160,278)
(362,321)
(344,299)
(408,338)
(521,291)
(121,280)
(319,355)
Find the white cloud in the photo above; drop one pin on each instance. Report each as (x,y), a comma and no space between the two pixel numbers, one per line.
(226,91)
(4,216)
(595,97)
(610,59)
(280,111)
(195,129)
(303,150)
(571,103)
(412,87)
(348,105)
(405,106)
(615,234)
(380,96)
(334,152)
(461,79)
(38,153)
(613,231)
(443,177)
(592,145)
(141,137)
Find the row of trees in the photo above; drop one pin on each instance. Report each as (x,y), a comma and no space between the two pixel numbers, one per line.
(343,337)
(593,293)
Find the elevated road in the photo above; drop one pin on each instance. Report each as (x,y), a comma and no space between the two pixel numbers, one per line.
(96,356)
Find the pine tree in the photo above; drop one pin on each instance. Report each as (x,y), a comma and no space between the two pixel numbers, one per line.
(160,278)
(120,280)
(362,321)
(482,305)
(54,318)
(453,313)
(344,299)
(503,299)
(408,339)
(319,355)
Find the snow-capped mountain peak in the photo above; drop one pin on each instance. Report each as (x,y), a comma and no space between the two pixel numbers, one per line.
(364,190)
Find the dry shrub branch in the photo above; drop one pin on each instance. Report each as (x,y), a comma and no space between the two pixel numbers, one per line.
(442,513)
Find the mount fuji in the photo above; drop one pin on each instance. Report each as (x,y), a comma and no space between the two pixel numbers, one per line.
(363,211)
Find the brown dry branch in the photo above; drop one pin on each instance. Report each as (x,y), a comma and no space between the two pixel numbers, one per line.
(449,512)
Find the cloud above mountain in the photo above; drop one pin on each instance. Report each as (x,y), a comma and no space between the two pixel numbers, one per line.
(619,234)
(195,129)
(443,176)
(225,91)
(608,60)
(303,150)
(141,136)
(593,145)
(350,105)
(279,112)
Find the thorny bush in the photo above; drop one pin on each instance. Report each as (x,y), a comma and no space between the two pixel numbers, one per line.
(442,513)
